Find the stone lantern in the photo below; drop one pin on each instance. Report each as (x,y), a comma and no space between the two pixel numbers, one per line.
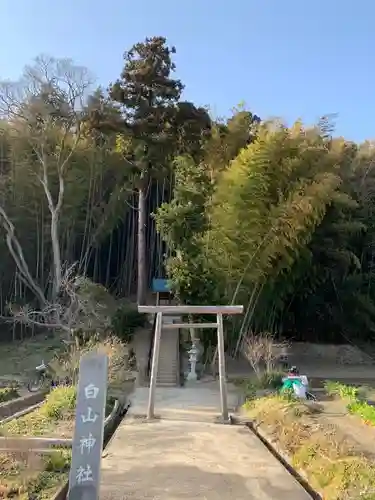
(193,358)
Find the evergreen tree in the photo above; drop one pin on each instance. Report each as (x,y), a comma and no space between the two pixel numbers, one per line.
(147,94)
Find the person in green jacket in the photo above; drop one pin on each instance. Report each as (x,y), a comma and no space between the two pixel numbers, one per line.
(294,382)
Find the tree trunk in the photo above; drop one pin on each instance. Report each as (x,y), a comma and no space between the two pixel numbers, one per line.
(142,282)
(57,275)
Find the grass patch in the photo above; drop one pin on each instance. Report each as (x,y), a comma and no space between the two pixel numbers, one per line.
(58,407)
(8,393)
(356,400)
(250,386)
(20,358)
(54,418)
(27,475)
(332,466)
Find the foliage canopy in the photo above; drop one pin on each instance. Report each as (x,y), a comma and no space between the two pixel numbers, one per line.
(137,182)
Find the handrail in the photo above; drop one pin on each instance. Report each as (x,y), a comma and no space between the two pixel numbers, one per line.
(178,374)
(149,362)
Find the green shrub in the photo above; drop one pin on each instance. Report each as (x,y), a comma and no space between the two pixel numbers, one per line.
(125,322)
(365,411)
(59,401)
(271,380)
(288,395)
(44,484)
(8,393)
(342,390)
(58,461)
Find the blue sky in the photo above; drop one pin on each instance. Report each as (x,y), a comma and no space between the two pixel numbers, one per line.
(283,58)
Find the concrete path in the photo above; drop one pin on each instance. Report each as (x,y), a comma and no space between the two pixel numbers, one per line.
(184,455)
(200,402)
(171,460)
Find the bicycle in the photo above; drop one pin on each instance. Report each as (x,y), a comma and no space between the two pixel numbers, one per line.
(46,377)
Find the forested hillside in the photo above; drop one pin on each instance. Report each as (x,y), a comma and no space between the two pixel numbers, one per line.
(117,185)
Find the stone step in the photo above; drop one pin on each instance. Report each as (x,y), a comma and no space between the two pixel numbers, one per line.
(170,358)
(169,375)
(168,366)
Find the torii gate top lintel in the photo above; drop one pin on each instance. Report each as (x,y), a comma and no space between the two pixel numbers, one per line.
(224,310)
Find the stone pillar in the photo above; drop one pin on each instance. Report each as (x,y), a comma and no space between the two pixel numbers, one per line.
(193,357)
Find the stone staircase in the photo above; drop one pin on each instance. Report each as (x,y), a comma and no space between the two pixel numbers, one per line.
(169,356)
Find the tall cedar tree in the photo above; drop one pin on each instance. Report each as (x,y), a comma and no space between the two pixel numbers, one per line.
(148,97)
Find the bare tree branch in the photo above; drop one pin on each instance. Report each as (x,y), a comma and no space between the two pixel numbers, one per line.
(76,308)
(16,252)
(262,352)
(47,107)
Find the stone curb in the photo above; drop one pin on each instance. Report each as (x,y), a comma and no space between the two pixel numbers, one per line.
(9,408)
(33,443)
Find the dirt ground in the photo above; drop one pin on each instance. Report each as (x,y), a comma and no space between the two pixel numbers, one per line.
(334,413)
(23,475)
(351,427)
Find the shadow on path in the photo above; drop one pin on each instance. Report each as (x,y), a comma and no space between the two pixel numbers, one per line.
(188,482)
(170,460)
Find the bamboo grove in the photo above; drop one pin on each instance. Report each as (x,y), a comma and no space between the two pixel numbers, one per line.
(134,182)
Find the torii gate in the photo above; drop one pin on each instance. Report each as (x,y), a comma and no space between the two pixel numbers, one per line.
(219,311)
